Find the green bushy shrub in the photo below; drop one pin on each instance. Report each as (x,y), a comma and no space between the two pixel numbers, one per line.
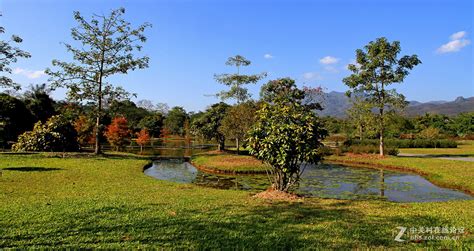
(369,149)
(55,135)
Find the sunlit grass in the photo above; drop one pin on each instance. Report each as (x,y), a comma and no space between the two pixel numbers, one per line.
(109,203)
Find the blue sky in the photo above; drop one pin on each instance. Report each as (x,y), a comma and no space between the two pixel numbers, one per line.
(310,41)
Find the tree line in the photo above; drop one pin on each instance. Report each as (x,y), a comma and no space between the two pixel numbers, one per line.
(280,128)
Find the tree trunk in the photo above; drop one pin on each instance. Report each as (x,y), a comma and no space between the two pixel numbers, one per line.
(381,146)
(381,124)
(98,149)
(237,145)
(221,145)
(141,148)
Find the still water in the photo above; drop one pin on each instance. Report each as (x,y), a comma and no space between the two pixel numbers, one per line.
(324,181)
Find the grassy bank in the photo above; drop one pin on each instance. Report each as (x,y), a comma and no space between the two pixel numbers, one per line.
(109,203)
(222,162)
(447,173)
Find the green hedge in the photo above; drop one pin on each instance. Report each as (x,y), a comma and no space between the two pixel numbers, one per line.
(370,149)
(405,143)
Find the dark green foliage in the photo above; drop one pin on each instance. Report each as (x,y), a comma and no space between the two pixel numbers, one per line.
(129,110)
(405,143)
(39,102)
(462,125)
(287,134)
(369,149)
(56,135)
(208,124)
(15,118)
(153,123)
(237,122)
(175,119)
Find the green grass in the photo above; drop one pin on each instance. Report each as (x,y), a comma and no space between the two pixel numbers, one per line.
(448,173)
(228,162)
(109,203)
(464,149)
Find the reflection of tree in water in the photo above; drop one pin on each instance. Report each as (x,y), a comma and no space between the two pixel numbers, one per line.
(242,182)
(217,181)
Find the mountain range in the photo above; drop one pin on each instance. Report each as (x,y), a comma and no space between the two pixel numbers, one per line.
(336,103)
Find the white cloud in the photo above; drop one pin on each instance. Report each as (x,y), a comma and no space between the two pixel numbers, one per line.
(268,56)
(458,41)
(311,76)
(328,60)
(29,73)
(458,35)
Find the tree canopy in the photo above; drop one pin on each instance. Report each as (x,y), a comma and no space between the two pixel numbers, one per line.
(106,46)
(377,67)
(236,81)
(287,134)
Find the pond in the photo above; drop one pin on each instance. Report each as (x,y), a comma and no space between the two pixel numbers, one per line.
(324,181)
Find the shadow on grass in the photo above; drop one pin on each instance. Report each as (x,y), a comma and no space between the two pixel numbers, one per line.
(267,226)
(32,169)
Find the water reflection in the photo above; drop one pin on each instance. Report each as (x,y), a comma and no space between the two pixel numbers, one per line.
(325,181)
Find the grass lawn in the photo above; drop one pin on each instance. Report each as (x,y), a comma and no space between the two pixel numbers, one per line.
(228,162)
(464,149)
(99,202)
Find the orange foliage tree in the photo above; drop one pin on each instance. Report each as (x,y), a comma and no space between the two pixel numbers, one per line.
(143,137)
(117,132)
(84,127)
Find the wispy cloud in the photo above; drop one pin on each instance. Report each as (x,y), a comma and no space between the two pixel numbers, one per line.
(29,73)
(268,56)
(311,76)
(331,69)
(458,41)
(328,60)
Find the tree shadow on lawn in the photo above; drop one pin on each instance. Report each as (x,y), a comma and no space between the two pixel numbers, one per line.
(31,169)
(279,225)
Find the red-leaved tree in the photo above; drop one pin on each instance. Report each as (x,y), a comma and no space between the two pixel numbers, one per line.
(143,137)
(117,132)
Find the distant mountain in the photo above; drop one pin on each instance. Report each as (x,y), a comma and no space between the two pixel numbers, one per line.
(449,108)
(336,103)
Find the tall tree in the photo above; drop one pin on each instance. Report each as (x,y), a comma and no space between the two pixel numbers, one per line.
(236,81)
(377,67)
(9,54)
(106,46)
(207,125)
